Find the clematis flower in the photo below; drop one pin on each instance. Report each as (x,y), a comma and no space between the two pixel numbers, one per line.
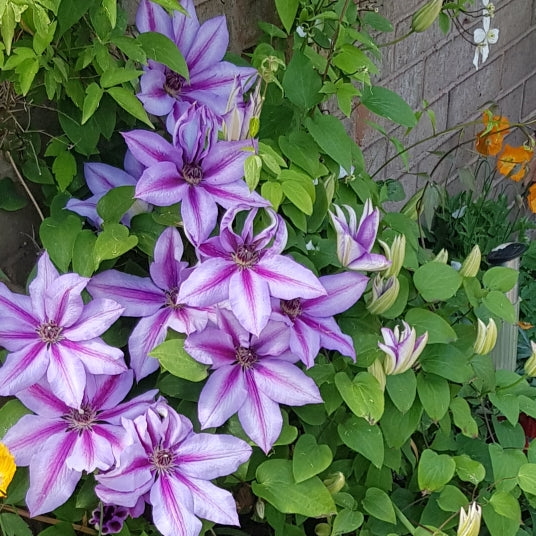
(170,467)
(247,271)
(197,170)
(513,161)
(100,179)
(384,294)
(489,141)
(401,349)
(7,469)
(252,376)
(241,120)
(154,299)
(483,38)
(59,442)
(311,323)
(354,242)
(203,47)
(112,518)
(53,333)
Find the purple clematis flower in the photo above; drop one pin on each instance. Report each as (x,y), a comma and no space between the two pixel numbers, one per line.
(252,376)
(355,242)
(154,299)
(246,271)
(170,467)
(59,442)
(203,47)
(311,323)
(101,178)
(197,170)
(52,333)
(110,520)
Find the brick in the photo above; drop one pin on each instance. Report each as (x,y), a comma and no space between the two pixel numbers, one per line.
(529,98)
(512,101)
(516,65)
(512,20)
(397,11)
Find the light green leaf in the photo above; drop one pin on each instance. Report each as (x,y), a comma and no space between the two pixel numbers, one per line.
(114,77)
(64,169)
(500,278)
(364,438)
(113,241)
(500,305)
(439,330)
(252,171)
(506,505)
(434,394)
(363,395)
(91,101)
(452,499)
(434,471)
(110,8)
(506,464)
(174,358)
(462,417)
(498,525)
(387,103)
(469,470)
(162,49)
(352,59)
(113,205)
(378,504)
(437,281)
(309,458)
(346,521)
(129,102)
(402,389)
(130,47)
(526,477)
(298,196)
(84,262)
(275,484)
(287,9)
(27,71)
(302,83)
(273,192)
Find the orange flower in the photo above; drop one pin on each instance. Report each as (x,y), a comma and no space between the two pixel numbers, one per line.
(532,198)
(7,469)
(489,141)
(514,159)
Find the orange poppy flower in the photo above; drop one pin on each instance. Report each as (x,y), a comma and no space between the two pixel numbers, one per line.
(7,469)
(489,141)
(514,159)
(531,199)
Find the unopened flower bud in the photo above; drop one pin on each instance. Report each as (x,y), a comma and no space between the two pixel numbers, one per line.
(426,15)
(335,482)
(530,363)
(384,294)
(442,257)
(396,254)
(260,508)
(402,349)
(486,337)
(376,369)
(322,529)
(471,264)
(470,521)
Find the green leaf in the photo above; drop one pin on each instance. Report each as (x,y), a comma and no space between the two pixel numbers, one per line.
(84,137)
(10,199)
(378,504)
(10,413)
(387,103)
(114,77)
(402,389)
(452,499)
(446,361)
(64,528)
(500,278)
(469,470)
(252,171)
(507,404)
(462,417)
(437,281)
(113,205)
(500,305)
(129,102)
(70,13)
(398,427)
(309,458)
(91,101)
(272,30)
(330,135)
(363,395)
(300,148)
(58,237)
(434,394)
(84,262)
(352,59)
(364,438)
(298,196)
(110,8)
(498,525)
(176,360)
(130,47)
(346,521)
(7,27)
(275,484)
(64,169)
(302,83)
(147,230)
(27,71)
(37,171)
(171,6)
(439,330)
(272,191)
(113,241)
(162,49)
(434,470)
(506,464)
(14,525)
(506,505)
(526,477)
(287,9)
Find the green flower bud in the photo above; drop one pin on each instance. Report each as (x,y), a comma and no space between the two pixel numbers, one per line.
(486,337)
(471,264)
(335,482)
(470,521)
(442,257)
(530,363)
(377,370)
(384,294)
(322,529)
(426,15)
(396,254)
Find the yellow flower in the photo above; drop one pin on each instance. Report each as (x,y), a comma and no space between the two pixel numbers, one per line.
(470,521)
(512,162)
(489,141)
(7,469)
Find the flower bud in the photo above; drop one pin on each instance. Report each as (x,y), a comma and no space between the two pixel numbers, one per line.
(384,294)
(322,529)
(442,257)
(530,363)
(401,349)
(260,508)
(396,254)
(376,369)
(426,15)
(335,482)
(471,264)
(7,469)
(470,521)
(486,337)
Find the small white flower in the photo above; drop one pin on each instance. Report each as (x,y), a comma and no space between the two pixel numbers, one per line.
(484,37)
(301,32)
(489,8)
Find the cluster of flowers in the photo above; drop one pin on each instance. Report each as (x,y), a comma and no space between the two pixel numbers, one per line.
(485,36)
(512,161)
(248,311)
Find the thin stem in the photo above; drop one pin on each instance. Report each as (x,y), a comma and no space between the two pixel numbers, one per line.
(24,185)
(334,39)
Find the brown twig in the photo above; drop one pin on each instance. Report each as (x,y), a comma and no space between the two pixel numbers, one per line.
(24,185)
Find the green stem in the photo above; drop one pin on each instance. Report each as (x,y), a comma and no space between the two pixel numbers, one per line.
(404,520)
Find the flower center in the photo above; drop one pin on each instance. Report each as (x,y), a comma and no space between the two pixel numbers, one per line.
(246,357)
(292,308)
(246,256)
(81,419)
(171,299)
(192,174)
(162,460)
(49,332)
(173,84)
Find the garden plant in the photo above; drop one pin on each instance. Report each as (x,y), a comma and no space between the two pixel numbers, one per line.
(226,333)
